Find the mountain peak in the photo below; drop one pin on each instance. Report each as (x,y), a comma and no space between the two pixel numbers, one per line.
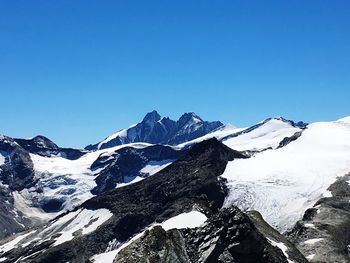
(152,116)
(186,117)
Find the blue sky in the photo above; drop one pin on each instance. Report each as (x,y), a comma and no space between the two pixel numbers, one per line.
(76,71)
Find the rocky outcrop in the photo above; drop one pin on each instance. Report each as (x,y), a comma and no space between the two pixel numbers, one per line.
(323,235)
(228,236)
(128,163)
(17,172)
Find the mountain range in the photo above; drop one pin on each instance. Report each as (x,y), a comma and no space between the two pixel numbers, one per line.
(180,191)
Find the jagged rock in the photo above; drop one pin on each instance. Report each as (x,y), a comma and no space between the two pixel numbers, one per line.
(323,235)
(228,236)
(128,162)
(157,130)
(156,246)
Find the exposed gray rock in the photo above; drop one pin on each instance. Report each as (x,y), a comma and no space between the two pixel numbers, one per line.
(323,235)
(228,236)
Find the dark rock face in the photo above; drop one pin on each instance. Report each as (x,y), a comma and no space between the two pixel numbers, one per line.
(272,234)
(39,145)
(157,245)
(323,235)
(45,147)
(157,130)
(17,172)
(290,139)
(128,162)
(228,236)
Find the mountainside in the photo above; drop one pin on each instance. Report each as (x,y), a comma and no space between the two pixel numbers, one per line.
(189,184)
(157,130)
(180,191)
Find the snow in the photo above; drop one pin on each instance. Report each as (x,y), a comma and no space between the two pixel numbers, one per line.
(281,184)
(122,134)
(13,243)
(131,181)
(3,259)
(69,180)
(63,229)
(269,134)
(310,257)
(313,241)
(345,120)
(309,225)
(219,133)
(191,219)
(185,220)
(2,159)
(327,193)
(22,203)
(154,167)
(282,247)
(84,220)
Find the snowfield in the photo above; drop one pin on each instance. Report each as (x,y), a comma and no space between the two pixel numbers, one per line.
(268,135)
(281,184)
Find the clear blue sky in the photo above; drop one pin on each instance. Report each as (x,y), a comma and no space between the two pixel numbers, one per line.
(76,71)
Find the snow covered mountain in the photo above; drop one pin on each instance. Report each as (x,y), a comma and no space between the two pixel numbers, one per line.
(157,130)
(182,187)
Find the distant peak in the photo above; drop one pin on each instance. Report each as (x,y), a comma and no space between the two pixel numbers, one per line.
(299,124)
(190,115)
(152,116)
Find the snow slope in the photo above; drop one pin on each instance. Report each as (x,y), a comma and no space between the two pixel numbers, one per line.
(269,134)
(281,184)
(62,229)
(219,133)
(70,180)
(122,134)
(266,134)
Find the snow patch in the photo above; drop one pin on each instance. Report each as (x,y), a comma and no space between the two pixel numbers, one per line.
(154,167)
(85,221)
(2,159)
(313,241)
(282,247)
(310,257)
(309,225)
(132,180)
(327,193)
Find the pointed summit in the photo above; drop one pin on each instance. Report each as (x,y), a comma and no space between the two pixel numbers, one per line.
(157,130)
(152,116)
(189,117)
